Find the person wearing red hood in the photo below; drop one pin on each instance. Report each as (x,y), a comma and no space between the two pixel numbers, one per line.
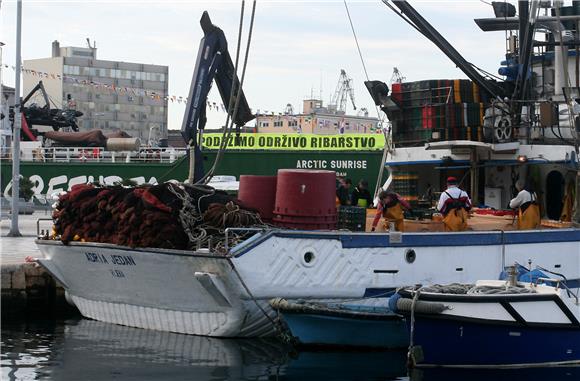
(454,204)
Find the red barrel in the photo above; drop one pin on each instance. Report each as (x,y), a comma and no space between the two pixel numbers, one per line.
(258,192)
(306,199)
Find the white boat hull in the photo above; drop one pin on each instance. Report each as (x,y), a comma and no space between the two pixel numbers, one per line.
(353,265)
(164,290)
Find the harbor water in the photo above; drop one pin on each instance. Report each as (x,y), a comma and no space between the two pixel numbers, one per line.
(82,349)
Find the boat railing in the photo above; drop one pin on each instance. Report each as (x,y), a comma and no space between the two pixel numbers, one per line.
(42,232)
(96,155)
(560,283)
(229,231)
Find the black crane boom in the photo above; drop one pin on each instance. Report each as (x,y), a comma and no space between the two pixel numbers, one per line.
(431,33)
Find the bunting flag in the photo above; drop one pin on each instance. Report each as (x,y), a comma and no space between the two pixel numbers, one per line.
(114,88)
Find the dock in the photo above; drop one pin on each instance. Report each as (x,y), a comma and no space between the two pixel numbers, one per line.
(26,287)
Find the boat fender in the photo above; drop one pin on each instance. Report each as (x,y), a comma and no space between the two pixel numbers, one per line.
(422,307)
(392,304)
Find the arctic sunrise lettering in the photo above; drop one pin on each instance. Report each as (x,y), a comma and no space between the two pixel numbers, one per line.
(331,164)
(122,260)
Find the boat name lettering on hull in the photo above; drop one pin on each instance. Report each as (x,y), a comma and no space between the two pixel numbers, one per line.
(121,260)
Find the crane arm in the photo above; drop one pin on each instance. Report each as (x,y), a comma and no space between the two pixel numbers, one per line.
(213,63)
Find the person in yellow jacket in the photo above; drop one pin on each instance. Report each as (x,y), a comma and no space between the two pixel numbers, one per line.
(527,205)
(391,207)
(454,204)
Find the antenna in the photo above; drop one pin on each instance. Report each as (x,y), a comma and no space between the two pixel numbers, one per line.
(320,84)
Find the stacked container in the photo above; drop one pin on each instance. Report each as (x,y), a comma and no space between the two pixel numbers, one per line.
(306,199)
(437,110)
(259,192)
(406,185)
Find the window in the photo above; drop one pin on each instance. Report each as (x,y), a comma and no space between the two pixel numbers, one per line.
(293,123)
(264,124)
(278,123)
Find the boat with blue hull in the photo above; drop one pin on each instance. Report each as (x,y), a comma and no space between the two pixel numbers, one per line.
(346,325)
(492,324)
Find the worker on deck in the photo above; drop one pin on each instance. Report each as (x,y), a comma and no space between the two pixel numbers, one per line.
(361,196)
(454,204)
(343,192)
(391,207)
(528,210)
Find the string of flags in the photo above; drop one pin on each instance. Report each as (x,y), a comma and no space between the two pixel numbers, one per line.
(115,88)
(216,106)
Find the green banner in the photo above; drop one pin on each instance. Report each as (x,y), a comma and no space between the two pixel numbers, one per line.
(298,142)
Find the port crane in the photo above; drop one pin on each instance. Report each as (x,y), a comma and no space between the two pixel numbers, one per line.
(344,90)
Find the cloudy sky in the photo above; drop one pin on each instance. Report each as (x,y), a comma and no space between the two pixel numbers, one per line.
(297,49)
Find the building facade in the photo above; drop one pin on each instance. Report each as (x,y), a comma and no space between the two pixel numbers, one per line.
(316,119)
(112,95)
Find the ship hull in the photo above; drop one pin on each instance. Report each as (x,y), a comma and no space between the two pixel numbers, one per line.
(49,178)
(200,293)
(165,290)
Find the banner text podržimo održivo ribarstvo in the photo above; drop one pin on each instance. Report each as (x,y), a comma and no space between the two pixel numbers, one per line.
(347,142)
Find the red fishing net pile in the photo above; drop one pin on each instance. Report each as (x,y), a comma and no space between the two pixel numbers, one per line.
(144,216)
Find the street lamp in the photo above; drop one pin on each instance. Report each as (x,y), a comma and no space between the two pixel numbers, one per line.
(14,231)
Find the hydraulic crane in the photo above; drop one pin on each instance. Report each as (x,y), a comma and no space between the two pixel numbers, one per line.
(213,63)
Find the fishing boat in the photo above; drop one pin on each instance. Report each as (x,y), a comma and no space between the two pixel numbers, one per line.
(492,323)
(228,290)
(346,325)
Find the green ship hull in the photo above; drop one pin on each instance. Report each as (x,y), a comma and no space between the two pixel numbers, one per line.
(52,177)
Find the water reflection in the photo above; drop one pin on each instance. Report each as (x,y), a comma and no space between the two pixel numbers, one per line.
(88,350)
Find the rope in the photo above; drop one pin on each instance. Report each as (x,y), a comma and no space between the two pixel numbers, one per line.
(360,53)
(234,78)
(411,361)
(471,289)
(276,327)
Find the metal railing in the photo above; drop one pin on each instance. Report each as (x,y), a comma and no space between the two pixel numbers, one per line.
(228,231)
(560,283)
(95,155)
(39,232)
